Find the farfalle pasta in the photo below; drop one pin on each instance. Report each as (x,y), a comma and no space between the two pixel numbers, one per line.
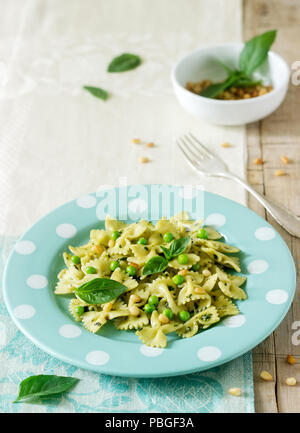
(156,279)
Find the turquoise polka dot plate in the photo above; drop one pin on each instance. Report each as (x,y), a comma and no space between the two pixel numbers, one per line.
(31,273)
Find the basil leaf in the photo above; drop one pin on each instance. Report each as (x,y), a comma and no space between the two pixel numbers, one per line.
(97,91)
(124,62)
(166,252)
(100,291)
(154,265)
(255,51)
(244,82)
(215,89)
(44,385)
(227,69)
(178,246)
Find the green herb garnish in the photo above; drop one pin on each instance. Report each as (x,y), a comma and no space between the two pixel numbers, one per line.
(98,92)
(99,291)
(254,53)
(124,62)
(44,385)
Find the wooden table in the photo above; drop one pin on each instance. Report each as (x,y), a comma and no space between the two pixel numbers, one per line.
(278,135)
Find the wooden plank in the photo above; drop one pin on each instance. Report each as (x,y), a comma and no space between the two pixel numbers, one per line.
(276,135)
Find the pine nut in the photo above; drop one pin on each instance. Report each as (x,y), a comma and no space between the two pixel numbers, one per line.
(136,141)
(291,359)
(98,249)
(150,144)
(266,376)
(144,160)
(258,161)
(134,311)
(135,298)
(226,144)
(135,265)
(107,307)
(163,319)
(284,159)
(206,273)
(183,272)
(279,173)
(199,291)
(291,381)
(235,391)
(111,243)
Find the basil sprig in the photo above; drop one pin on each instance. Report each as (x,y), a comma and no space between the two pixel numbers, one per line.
(100,291)
(97,92)
(44,385)
(254,53)
(124,62)
(159,263)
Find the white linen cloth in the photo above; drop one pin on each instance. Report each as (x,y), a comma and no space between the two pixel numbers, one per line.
(58,142)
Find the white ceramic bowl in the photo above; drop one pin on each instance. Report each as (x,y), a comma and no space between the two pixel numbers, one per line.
(202,64)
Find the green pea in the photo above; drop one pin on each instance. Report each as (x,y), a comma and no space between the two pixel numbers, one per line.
(142,241)
(75,260)
(178,279)
(196,267)
(131,270)
(153,300)
(183,259)
(149,308)
(168,237)
(168,313)
(202,234)
(91,270)
(115,235)
(114,265)
(79,310)
(184,315)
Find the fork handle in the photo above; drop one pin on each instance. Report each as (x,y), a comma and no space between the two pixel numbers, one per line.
(285,218)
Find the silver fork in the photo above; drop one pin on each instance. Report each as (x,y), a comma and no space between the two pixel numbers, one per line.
(207,164)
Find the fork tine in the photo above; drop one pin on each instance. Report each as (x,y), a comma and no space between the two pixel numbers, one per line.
(194,151)
(187,157)
(196,143)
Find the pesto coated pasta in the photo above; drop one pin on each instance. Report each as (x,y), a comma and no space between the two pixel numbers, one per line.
(154,279)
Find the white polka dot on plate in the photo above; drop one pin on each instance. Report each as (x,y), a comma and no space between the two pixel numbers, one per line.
(37,281)
(265,233)
(277,296)
(215,219)
(97,357)
(86,201)
(150,351)
(69,331)
(188,192)
(24,312)
(66,230)
(235,321)
(209,353)
(25,247)
(137,205)
(257,266)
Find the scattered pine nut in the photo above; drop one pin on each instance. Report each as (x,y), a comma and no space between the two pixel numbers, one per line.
(291,381)
(199,291)
(111,243)
(98,249)
(265,375)
(135,265)
(136,141)
(150,144)
(134,311)
(235,391)
(144,159)
(258,161)
(206,273)
(291,359)
(279,173)
(163,319)
(107,307)
(183,272)
(226,144)
(284,159)
(247,96)
(135,298)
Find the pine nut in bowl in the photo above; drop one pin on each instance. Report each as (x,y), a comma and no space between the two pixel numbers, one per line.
(206,64)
